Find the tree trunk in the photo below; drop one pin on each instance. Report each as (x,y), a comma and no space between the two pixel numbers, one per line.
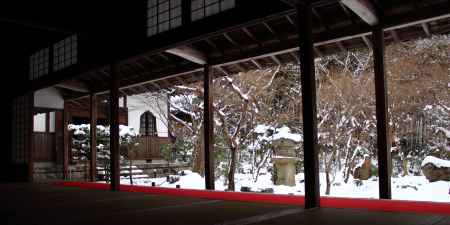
(405,167)
(232,169)
(131,172)
(199,162)
(327,176)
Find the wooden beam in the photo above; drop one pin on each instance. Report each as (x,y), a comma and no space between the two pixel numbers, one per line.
(233,42)
(319,18)
(251,36)
(384,151)
(367,41)
(308,84)
(270,29)
(32,24)
(189,54)
(208,126)
(347,13)
(394,36)
(295,56)
(114,127)
(426,29)
(317,52)
(226,73)
(73,85)
(93,134)
(256,64)
(247,17)
(66,140)
(213,45)
(341,46)
(364,9)
(276,60)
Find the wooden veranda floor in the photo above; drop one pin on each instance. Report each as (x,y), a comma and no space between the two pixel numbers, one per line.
(49,204)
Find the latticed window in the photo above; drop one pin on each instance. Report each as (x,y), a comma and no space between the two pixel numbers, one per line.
(148,124)
(39,64)
(163,15)
(204,8)
(65,53)
(21,128)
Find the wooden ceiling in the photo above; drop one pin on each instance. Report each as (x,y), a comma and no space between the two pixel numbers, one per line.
(263,43)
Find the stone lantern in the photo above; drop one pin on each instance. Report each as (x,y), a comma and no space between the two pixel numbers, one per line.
(284,160)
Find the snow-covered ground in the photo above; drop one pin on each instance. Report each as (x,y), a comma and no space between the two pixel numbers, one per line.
(404,188)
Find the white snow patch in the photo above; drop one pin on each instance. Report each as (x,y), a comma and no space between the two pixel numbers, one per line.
(262,128)
(415,188)
(285,133)
(126,130)
(436,162)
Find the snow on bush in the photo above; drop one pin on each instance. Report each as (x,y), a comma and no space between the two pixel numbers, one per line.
(81,140)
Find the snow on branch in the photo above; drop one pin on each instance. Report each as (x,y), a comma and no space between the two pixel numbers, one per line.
(236,89)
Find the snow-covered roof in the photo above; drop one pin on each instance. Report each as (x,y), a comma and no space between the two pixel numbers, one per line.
(436,162)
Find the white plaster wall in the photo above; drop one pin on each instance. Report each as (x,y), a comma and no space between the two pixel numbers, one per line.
(157,105)
(48,98)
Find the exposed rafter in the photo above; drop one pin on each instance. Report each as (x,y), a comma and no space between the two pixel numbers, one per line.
(189,54)
(367,41)
(256,64)
(426,29)
(364,9)
(74,85)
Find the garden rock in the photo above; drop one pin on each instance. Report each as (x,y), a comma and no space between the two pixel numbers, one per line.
(364,171)
(436,169)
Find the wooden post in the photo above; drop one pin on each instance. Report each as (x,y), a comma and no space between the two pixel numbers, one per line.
(208,121)
(66,141)
(308,86)
(93,111)
(30,137)
(114,127)
(384,152)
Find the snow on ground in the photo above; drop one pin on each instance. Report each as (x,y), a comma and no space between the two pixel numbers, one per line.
(404,188)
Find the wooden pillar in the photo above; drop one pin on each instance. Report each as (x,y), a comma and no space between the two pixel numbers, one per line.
(308,86)
(208,122)
(114,127)
(93,111)
(384,153)
(30,137)
(66,141)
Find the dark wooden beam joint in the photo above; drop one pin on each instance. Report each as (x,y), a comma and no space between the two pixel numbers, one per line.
(308,87)
(383,145)
(208,126)
(114,127)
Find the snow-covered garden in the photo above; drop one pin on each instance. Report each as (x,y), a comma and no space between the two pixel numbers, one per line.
(403,188)
(258,131)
